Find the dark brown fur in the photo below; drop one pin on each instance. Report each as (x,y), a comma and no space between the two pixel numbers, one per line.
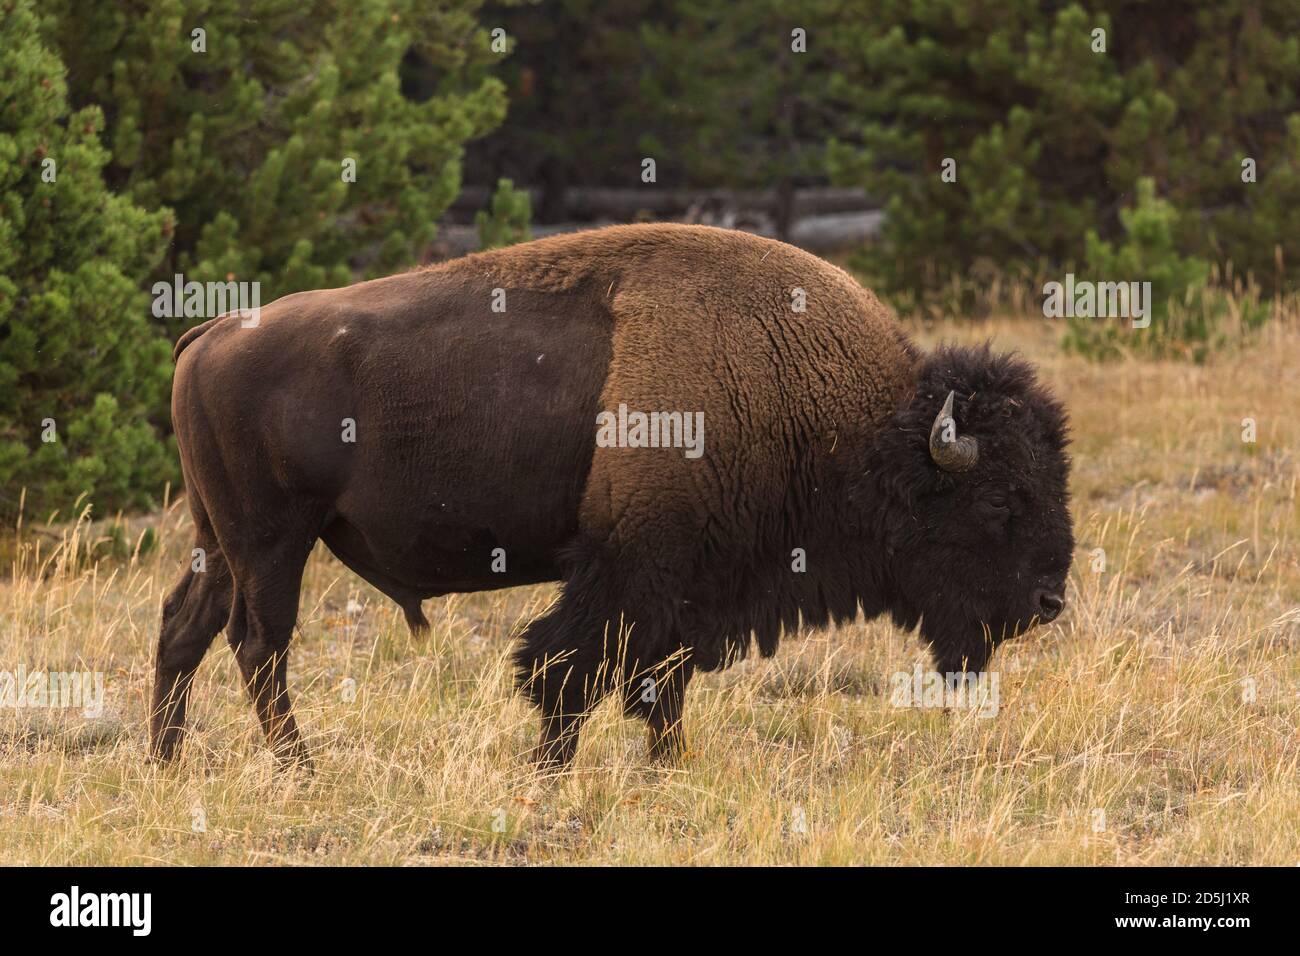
(475,431)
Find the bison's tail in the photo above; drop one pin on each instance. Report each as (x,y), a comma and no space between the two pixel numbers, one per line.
(189,336)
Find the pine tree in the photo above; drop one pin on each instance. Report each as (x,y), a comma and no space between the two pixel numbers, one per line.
(287,135)
(83,374)
(505,222)
(575,112)
(730,97)
(1047,117)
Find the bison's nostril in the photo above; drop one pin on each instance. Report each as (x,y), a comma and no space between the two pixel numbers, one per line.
(1050,604)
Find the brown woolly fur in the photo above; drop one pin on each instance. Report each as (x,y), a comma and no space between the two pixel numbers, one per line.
(438,431)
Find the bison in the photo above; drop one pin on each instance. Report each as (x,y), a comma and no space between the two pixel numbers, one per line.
(452,429)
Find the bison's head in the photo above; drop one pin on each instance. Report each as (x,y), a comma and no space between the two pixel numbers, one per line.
(970,492)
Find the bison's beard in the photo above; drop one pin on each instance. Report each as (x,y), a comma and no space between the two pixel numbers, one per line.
(957,642)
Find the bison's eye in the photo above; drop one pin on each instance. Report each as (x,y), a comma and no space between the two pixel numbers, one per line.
(995,511)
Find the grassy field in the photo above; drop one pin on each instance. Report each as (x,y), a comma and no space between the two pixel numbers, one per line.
(1157,722)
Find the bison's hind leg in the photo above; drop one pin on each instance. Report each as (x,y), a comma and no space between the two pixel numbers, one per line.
(261,626)
(193,614)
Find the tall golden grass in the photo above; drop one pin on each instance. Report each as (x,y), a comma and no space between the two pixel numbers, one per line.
(1158,722)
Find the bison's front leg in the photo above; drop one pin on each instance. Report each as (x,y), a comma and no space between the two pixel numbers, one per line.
(559,740)
(565,665)
(657,696)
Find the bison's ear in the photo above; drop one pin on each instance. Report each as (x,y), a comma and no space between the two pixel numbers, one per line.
(950,451)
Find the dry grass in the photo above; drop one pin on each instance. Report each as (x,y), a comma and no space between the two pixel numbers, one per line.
(1126,732)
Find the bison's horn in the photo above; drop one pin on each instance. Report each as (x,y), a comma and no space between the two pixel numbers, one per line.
(955,453)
